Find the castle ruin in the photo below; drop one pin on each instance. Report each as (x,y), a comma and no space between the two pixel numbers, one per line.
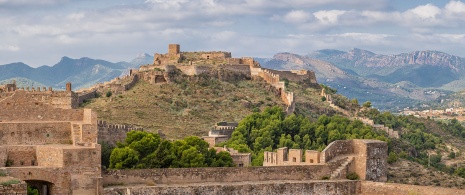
(48,143)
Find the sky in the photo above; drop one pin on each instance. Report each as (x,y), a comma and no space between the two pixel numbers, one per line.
(40,32)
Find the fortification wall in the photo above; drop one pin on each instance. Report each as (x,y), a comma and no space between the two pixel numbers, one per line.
(371,163)
(243,69)
(219,174)
(35,133)
(56,99)
(369,188)
(216,55)
(19,156)
(257,188)
(112,133)
(338,147)
(49,156)
(13,189)
(296,75)
(116,86)
(86,95)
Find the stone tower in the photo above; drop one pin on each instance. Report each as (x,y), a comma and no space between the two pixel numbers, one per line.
(68,86)
(173,49)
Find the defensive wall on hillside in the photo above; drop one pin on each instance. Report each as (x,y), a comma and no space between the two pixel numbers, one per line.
(116,86)
(46,143)
(224,67)
(113,133)
(367,158)
(58,99)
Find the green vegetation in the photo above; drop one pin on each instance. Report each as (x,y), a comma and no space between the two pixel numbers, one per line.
(353,176)
(32,191)
(144,150)
(420,140)
(271,129)
(9,182)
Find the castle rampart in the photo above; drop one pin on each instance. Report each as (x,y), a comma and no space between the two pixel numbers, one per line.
(347,187)
(47,143)
(367,158)
(113,133)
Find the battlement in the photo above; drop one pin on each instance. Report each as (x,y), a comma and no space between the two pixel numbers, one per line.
(42,137)
(367,158)
(113,133)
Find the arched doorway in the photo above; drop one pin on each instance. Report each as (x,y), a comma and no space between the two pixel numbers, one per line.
(42,187)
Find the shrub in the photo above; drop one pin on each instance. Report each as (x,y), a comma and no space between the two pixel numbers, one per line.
(392,158)
(108,94)
(7,183)
(352,176)
(325,177)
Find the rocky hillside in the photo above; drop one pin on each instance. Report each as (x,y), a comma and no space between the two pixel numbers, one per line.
(422,68)
(197,104)
(390,82)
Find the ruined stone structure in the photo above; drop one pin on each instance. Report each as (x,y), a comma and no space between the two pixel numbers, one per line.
(367,158)
(47,143)
(258,180)
(219,133)
(239,159)
(113,133)
(57,99)
(115,86)
(223,66)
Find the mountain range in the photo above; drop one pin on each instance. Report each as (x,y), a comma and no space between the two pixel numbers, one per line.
(390,82)
(82,73)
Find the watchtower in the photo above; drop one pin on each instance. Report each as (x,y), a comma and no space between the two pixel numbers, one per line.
(173,49)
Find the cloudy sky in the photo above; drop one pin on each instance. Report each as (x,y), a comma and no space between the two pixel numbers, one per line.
(40,32)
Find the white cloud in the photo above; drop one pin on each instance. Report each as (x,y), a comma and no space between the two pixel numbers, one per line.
(426,12)
(297,16)
(7,47)
(328,17)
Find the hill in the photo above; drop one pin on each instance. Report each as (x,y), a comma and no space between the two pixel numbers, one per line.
(192,107)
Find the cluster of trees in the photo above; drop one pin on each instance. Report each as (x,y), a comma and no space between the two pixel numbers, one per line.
(345,103)
(143,150)
(454,126)
(271,129)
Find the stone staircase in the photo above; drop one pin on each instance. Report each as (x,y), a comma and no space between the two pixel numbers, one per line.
(341,171)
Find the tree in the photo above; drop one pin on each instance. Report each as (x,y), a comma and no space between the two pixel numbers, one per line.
(392,158)
(124,158)
(106,153)
(223,159)
(192,158)
(367,104)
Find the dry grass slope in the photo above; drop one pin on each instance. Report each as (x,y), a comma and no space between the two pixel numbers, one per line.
(184,109)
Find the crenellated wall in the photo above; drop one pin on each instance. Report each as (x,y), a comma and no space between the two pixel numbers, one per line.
(113,133)
(367,158)
(52,144)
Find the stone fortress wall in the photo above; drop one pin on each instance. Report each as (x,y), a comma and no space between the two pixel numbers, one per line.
(367,158)
(113,133)
(223,65)
(48,143)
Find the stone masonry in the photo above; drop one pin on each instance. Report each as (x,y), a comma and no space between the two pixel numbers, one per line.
(47,143)
(367,158)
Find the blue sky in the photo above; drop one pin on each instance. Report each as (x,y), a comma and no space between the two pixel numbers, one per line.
(40,32)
